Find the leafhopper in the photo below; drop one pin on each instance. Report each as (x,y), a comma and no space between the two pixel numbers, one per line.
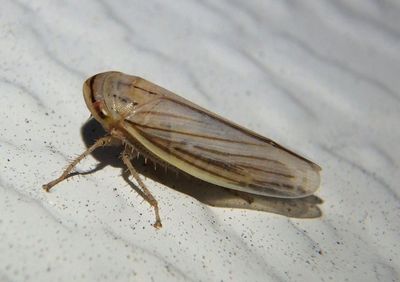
(172,131)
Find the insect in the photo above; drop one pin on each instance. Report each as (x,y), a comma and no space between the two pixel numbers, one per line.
(173,131)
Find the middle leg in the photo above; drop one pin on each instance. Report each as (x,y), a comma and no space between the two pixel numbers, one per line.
(126,158)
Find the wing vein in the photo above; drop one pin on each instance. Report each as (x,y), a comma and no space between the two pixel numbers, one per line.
(235,155)
(191,134)
(167,115)
(167,149)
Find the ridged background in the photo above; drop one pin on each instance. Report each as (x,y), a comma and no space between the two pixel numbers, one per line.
(321,77)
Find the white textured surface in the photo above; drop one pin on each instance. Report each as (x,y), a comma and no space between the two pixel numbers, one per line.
(318,76)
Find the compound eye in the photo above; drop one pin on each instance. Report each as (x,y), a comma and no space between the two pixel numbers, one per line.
(99,108)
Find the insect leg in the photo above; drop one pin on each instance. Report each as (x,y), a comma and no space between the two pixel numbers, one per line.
(104,141)
(126,158)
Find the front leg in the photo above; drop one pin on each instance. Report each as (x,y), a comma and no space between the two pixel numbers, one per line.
(104,141)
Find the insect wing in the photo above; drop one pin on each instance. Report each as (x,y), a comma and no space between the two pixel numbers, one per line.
(215,150)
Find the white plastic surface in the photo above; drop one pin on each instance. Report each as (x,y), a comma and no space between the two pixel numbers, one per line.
(321,77)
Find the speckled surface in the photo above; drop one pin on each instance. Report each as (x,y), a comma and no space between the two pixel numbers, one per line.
(320,77)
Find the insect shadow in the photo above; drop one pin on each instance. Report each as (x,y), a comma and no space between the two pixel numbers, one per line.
(204,192)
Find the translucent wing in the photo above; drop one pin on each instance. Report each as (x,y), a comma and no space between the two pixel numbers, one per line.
(218,151)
